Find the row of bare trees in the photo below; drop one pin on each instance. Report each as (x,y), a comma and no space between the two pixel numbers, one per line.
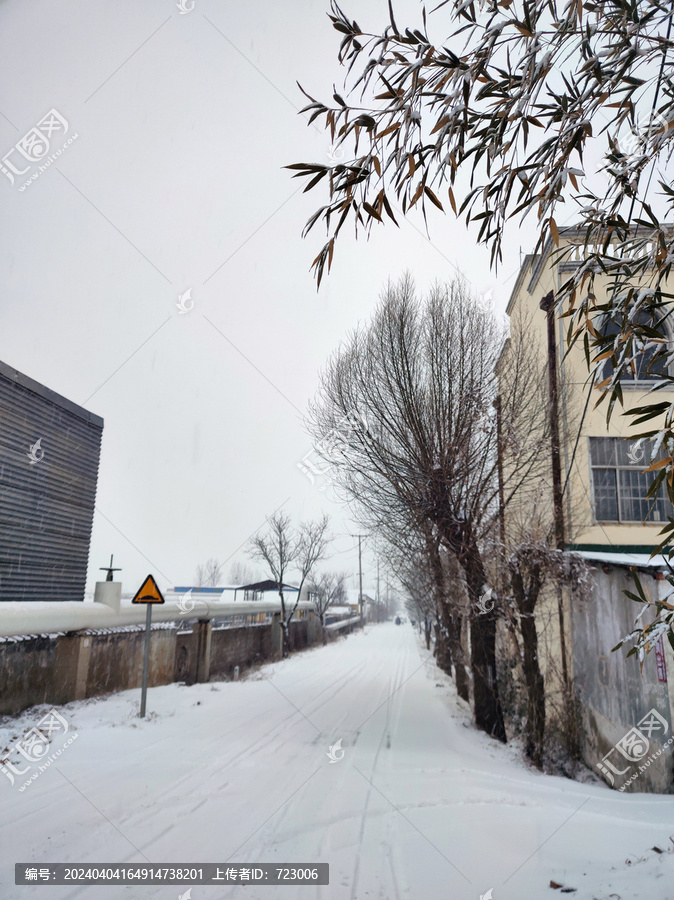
(445,446)
(209,574)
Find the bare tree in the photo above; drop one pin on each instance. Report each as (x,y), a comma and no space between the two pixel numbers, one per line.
(328,590)
(282,549)
(531,566)
(209,573)
(312,543)
(277,550)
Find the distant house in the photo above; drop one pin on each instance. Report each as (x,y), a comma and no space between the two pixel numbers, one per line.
(353,602)
(49,455)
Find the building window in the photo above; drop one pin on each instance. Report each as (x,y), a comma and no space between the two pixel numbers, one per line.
(646,366)
(620,485)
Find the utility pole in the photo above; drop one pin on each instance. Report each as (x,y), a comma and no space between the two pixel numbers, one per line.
(499,470)
(378,616)
(360,573)
(547,304)
(360,579)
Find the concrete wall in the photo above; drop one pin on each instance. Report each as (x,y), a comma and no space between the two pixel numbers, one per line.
(241,647)
(614,693)
(298,637)
(116,661)
(28,673)
(58,668)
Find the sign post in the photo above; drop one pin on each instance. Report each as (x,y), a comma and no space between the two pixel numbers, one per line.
(149,594)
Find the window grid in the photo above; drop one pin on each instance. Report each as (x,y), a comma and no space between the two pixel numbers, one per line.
(620,485)
(646,368)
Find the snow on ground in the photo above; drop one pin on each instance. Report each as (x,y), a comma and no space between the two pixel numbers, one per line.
(421,806)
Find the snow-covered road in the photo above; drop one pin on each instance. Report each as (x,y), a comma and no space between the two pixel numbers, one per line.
(420,806)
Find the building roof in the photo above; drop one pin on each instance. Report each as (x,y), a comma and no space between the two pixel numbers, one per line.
(183,588)
(267,585)
(570,234)
(47,394)
(635,560)
(351,595)
(524,268)
(257,586)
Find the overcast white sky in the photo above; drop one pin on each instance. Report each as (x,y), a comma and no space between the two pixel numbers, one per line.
(175,181)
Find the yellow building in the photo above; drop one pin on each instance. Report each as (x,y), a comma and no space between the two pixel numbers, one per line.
(608,520)
(605,502)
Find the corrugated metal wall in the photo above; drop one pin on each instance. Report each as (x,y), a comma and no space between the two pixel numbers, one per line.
(46,506)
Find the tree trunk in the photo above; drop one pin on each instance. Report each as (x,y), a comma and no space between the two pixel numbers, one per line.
(454,627)
(284,626)
(488,712)
(533,677)
(443,654)
(451,630)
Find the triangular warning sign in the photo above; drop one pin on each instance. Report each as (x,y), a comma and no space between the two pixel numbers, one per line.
(148,592)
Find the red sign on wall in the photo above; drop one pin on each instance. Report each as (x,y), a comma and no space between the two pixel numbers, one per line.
(660,660)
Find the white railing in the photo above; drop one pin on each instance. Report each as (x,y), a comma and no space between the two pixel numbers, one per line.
(342,623)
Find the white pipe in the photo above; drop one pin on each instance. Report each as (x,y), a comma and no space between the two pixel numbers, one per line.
(45,617)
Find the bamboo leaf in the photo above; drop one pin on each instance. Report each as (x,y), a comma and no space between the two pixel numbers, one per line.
(433,198)
(370,210)
(389,130)
(554,233)
(659,464)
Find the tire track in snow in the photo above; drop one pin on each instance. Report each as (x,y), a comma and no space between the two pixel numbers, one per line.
(394,695)
(318,827)
(259,744)
(277,737)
